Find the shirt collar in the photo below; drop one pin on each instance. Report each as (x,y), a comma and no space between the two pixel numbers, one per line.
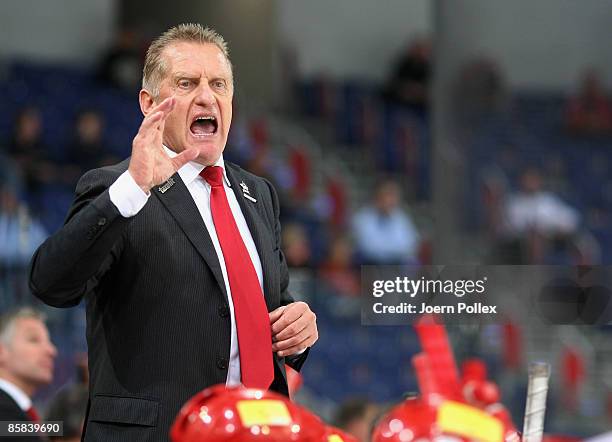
(17,394)
(192,169)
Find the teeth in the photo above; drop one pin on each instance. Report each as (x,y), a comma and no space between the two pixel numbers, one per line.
(210,118)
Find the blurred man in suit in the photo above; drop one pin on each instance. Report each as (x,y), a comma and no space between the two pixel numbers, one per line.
(177,253)
(26,363)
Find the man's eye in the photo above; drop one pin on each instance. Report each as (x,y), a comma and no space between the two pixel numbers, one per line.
(184,84)
(219,84)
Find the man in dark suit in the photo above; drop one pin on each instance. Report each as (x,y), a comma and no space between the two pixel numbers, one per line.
(26,364)
(177,254)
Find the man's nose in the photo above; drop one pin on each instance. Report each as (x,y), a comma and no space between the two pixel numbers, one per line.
(205,96)
(51,349)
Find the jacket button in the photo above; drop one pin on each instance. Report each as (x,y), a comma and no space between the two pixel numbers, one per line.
(222,363)
(101,221)
(223,311)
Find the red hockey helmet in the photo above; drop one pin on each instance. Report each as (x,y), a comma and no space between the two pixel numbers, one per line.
(239,414)
(444,419)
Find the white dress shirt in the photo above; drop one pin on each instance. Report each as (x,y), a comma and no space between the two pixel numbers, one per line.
(129,198)
(18,395)
(541,211)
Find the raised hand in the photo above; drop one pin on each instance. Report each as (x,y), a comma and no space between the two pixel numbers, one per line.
(150,165)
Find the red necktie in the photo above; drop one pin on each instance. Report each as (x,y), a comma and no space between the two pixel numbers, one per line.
(252,320)
(33,414)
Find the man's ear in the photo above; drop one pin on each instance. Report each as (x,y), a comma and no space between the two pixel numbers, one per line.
(146,100)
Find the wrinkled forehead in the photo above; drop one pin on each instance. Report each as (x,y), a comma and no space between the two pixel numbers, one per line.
(196,59)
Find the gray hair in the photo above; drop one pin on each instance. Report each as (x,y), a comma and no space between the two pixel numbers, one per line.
(155,68)
(8,319)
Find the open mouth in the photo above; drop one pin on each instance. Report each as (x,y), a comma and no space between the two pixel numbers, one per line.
(204,126)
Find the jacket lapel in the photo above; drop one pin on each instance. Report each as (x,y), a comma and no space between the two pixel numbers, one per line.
(254,220)
(177,199)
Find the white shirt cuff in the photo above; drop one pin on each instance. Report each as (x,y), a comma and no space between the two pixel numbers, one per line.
(127,196)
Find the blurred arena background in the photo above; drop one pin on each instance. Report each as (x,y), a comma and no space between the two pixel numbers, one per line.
(463,131)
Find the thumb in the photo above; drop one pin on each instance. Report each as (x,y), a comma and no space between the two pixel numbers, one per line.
(184,157)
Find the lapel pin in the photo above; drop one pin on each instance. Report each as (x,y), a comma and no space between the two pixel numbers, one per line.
(246,193)
(168,184)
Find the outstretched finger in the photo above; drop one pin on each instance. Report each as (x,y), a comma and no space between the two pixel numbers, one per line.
(150,123)
(157,114)
(165,105)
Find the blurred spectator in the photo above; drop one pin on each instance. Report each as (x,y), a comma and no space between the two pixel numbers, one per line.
(480,90)
(121,66)
(590,112)
(534,209)
(296,246)
(337,271)
(87,150)
(383,231)
(535,219)
(26,363)
(20,234)
(355,416)
(409,81)
(28,152)
(69,406)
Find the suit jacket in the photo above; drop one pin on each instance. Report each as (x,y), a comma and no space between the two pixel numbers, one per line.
(10,411)
(158,325)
